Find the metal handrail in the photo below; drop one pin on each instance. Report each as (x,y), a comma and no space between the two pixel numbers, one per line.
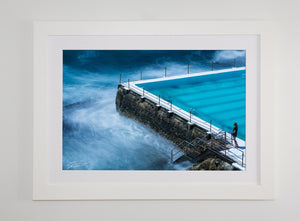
(239,160)
(167,105)
(230,139)
(229,150)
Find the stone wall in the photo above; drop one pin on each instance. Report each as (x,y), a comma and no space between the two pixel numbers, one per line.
(172,126)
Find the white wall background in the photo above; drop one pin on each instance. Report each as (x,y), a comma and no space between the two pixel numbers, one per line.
(16,28)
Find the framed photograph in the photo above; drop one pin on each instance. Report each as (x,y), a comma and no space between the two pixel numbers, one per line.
(153,110)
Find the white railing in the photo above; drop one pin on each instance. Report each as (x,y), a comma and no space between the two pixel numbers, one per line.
(192,119)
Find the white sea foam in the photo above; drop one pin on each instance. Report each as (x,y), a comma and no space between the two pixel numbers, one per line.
(100,138)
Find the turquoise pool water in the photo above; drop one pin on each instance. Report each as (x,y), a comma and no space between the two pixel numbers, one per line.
(218,97)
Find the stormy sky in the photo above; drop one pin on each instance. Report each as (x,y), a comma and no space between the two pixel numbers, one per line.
(97,60)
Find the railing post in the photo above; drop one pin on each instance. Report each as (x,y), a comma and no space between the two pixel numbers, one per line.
(128,84)
(143,91)
(141,75)
(120,78)
(234,63)
(171,106)
(210,126)
(159,100)
(191,116)
(212,65)
(242,159)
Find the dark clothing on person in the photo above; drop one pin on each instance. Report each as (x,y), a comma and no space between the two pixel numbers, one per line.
(234,132)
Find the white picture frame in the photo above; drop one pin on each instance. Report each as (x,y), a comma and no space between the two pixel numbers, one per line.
(122,187)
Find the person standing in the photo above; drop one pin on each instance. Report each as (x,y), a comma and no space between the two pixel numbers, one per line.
(234,133)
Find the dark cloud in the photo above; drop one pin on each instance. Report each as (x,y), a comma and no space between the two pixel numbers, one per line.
(96,60)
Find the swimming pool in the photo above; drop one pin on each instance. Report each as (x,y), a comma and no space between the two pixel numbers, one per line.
(219,97)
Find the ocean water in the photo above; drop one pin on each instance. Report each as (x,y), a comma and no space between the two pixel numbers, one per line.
(95,135)
(219,98)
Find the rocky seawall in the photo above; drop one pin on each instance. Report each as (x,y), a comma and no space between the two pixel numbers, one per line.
(169,125)
(213,164)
